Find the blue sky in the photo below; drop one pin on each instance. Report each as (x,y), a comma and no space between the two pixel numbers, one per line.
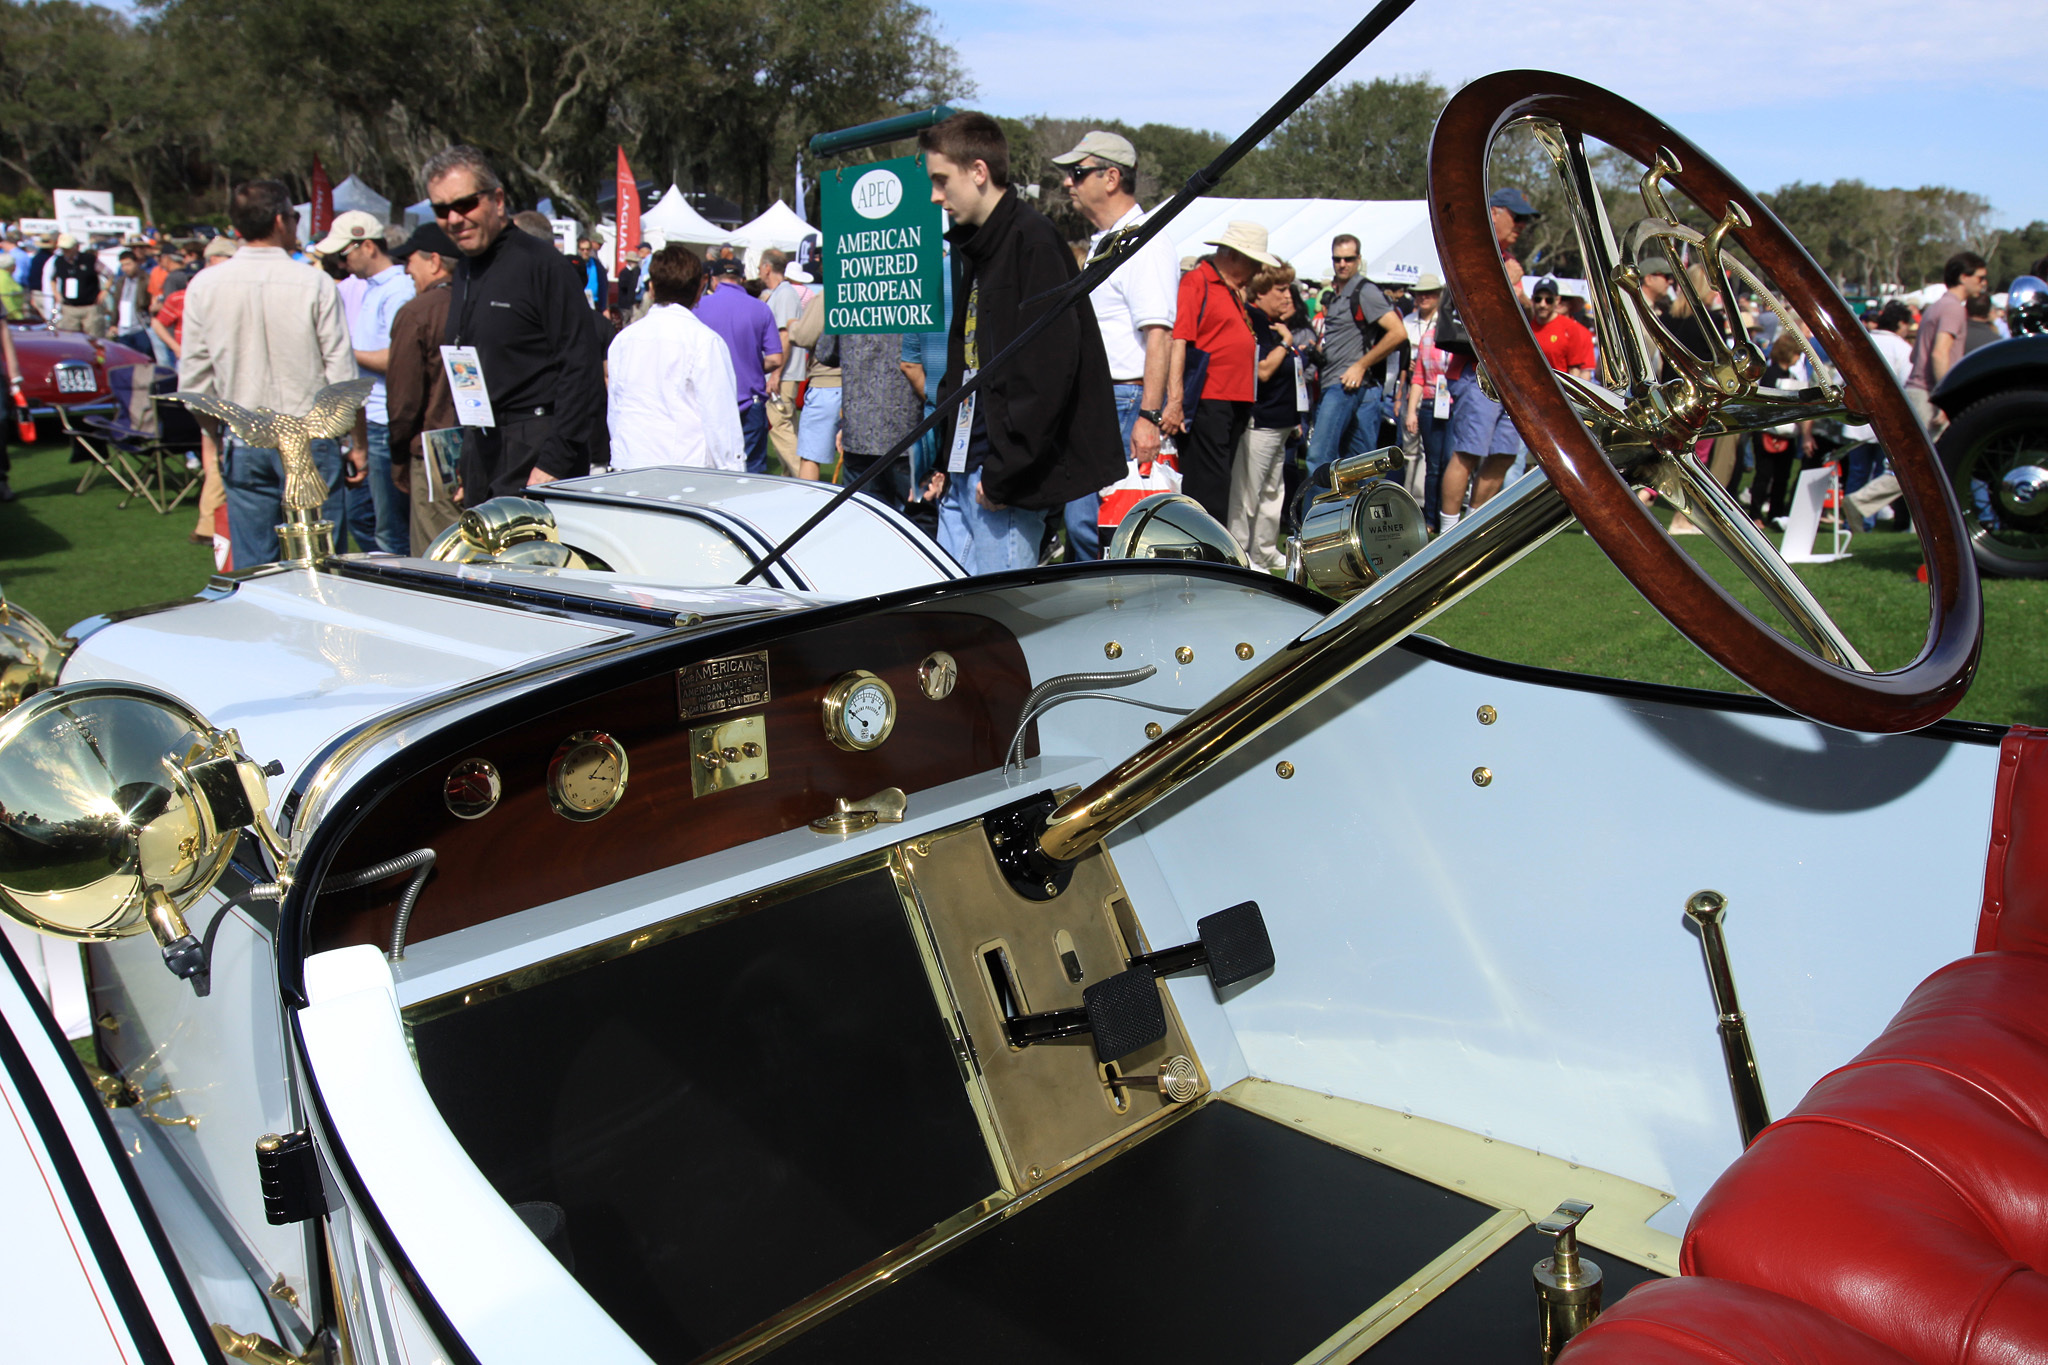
(1951,92)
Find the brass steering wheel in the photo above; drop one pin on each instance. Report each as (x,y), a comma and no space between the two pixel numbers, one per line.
(1639,426)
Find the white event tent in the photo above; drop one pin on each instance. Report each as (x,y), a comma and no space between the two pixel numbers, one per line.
(778,227)
(1393,234)
(673,220)
(351,193)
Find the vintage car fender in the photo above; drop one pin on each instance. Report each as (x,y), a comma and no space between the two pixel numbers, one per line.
(2016,363)
(43,353)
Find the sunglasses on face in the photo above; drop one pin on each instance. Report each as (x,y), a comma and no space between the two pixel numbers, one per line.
(1079,173)
(459,208)
(1345,260)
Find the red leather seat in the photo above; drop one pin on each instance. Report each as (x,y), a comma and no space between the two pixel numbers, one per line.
(1908,1192)
(1904,1203)
(1691,1321)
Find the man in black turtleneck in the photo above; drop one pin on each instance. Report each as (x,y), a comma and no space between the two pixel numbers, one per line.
(535,336)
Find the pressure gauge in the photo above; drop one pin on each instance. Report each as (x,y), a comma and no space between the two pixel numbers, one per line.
(587,775)
(472,788)
(860,711)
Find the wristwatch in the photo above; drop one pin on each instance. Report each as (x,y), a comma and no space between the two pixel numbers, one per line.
(1152,415)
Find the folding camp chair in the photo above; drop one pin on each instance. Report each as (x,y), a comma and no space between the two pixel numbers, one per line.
(131,443)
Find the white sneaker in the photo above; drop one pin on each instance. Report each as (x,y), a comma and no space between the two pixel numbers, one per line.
(1885,513)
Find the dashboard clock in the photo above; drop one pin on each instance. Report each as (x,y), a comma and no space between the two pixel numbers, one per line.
(587,775)
(860,711)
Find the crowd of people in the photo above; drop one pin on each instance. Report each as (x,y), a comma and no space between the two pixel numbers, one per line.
(501,363)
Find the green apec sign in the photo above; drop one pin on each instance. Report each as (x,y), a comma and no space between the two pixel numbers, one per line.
(883,253)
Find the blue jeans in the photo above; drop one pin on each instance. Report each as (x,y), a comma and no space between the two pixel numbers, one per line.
(1084,514)
(379,516)
(1347,423)
(255,488)
(982,539)
(1436,448)
(754,434)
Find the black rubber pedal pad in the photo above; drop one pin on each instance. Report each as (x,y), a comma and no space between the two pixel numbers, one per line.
(1237,943)
(1125,1013)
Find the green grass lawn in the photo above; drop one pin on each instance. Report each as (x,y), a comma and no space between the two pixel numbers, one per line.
(65,557)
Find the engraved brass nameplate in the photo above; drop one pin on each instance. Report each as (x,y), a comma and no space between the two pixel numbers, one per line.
(729,754)
(715,685)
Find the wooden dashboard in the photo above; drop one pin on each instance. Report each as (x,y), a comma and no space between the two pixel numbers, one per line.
(523,852)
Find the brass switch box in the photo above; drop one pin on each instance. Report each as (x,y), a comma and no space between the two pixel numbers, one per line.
(729,754)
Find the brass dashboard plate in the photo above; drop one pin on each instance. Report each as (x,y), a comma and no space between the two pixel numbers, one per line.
(729,754)
(1051,1106)
(710,686)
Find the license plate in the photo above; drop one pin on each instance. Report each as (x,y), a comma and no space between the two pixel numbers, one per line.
(76,379)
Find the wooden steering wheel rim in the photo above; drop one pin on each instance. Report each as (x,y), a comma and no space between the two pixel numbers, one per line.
(1677,586)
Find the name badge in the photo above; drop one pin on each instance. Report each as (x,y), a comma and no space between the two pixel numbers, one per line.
(1441,408)
(963,428)
(466,386)
(1300,386)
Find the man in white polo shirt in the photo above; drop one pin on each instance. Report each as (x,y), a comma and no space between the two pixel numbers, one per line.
(1134,308)
(379,516)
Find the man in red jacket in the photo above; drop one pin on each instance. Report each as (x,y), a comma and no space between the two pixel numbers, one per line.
(1044,430)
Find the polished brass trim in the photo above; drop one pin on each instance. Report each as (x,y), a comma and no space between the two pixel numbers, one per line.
(257,1350)
(728,754)
(1153,729)
(1528,512)
(1284,768)
(1113,650)
(1184,655)
(1413,1294)
(1487,715)
(1244,650)
(619,945)
(1752,1113)
(849,816)
(833,710)
(1482,777)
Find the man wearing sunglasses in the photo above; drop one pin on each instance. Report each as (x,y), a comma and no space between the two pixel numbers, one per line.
(520,304)
(1360,329)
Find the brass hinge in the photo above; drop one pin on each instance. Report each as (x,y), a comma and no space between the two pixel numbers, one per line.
(252,1348)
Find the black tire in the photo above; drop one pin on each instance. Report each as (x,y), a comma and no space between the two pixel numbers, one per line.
(1996,454)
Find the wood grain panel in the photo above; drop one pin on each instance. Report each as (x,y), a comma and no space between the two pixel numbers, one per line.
(523,854)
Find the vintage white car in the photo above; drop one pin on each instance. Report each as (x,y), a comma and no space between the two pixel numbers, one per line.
(498,960)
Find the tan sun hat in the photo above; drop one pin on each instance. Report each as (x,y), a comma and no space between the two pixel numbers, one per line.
(1429,282)
(1246,239)
(65,241)
(223,245)
(353,226)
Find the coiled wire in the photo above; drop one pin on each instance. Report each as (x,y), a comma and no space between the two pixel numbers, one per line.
(419,862)
(1073,687)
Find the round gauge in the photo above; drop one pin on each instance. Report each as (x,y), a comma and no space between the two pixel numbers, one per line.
(472,788)
(860,711)
(587,775)
(937,674)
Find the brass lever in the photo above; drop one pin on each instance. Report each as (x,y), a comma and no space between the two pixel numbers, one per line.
(848,816)
(1567,1284)
(252,1348)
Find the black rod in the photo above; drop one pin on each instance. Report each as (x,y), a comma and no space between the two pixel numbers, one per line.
(1115,250)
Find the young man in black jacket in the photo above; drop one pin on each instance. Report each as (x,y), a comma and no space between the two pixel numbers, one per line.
(1044,430)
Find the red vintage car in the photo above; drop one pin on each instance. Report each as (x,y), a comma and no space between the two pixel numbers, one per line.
(67,369)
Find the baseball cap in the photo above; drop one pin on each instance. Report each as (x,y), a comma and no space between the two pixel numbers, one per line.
(1514,201)
(1656,265)
(1107,146)
(427,237)
(1546,285)
(353,226)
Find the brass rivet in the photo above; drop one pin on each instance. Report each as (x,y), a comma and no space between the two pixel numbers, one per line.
(1244,651)
(1153,729)
(1487,715)
(1052,888)
(1034,1173)
(1482,777)
(1284,768)
(1113,650)
(1184,654)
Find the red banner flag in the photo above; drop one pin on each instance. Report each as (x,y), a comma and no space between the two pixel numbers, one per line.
(323,201)
(627,237)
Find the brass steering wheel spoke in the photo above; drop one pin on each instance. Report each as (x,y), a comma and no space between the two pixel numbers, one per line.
(1685,482)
